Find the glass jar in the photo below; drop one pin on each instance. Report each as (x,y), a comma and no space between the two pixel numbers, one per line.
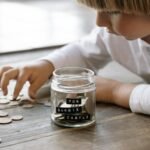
(73,97)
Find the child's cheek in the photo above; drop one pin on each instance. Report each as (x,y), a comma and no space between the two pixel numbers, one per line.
(121,27)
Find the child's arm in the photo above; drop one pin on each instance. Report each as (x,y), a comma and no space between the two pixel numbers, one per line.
(135,97)
(36,73)
(111,91)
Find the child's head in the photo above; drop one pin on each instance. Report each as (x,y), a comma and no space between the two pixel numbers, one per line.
(123,6)
(129,18)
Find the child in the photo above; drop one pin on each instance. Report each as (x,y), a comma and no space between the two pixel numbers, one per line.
(123,35)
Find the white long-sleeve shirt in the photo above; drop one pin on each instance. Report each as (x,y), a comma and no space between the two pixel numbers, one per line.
(99,48)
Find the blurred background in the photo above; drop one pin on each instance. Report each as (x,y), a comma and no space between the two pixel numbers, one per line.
(31,29)
(36,24)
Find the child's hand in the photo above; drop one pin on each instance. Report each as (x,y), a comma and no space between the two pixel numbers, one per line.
(36,73)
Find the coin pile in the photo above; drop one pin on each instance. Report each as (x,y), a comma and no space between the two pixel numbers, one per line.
(23,101)
(5,118)
(9,101)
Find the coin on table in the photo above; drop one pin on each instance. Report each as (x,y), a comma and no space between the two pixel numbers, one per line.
(48,104)
(21,95)
(14,103)
(11,98)
(41,101)
(3,113)
(0,140)
(4,101)
(26,101)
(28,106)
(3,97)
(17,117)
(5,120)
(2,107)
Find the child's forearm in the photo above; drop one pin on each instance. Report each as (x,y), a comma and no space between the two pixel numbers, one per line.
(121,94)
(111,91)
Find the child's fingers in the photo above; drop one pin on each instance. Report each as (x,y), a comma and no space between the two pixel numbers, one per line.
(34,87)
(4,69)
(6,77)
(22,78)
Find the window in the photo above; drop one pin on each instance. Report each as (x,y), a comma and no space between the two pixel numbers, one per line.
(32,24)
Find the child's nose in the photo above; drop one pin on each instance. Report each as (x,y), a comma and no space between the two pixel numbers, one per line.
(103,19)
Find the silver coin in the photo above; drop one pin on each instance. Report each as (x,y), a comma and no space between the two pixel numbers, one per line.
(0,140)
(48,104)
(10,98)
(28,106)
(26,101)
(5,120)
(3,113)
(4,101)
(14,103)
(17,117)
(21,95)
(2,107)
(41,101)
(3,97)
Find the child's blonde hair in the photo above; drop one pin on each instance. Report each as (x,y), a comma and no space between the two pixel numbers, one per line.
(125,6)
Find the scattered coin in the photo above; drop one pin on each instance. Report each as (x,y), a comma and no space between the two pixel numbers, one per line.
(26,101)
(41,101)
(5,120)
(3,97)
(10,98)
(17,117)
(28,106)
(4,101)
(2,107)
(21,95)
(48,104)
(3,114)
(23,102)
(14,103)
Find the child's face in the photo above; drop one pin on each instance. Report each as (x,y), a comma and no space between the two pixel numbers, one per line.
(127,25)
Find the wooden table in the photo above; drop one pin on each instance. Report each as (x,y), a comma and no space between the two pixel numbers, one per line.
(115,129)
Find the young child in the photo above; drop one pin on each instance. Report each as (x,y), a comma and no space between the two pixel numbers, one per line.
(123,35)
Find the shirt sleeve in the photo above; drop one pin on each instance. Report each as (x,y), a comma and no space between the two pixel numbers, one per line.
(140,99)
(90,52)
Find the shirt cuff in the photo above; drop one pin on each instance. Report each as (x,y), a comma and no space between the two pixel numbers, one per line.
(139,101)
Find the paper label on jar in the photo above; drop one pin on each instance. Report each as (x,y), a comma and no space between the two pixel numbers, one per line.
(81,117)
(76,101)
(69,110)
